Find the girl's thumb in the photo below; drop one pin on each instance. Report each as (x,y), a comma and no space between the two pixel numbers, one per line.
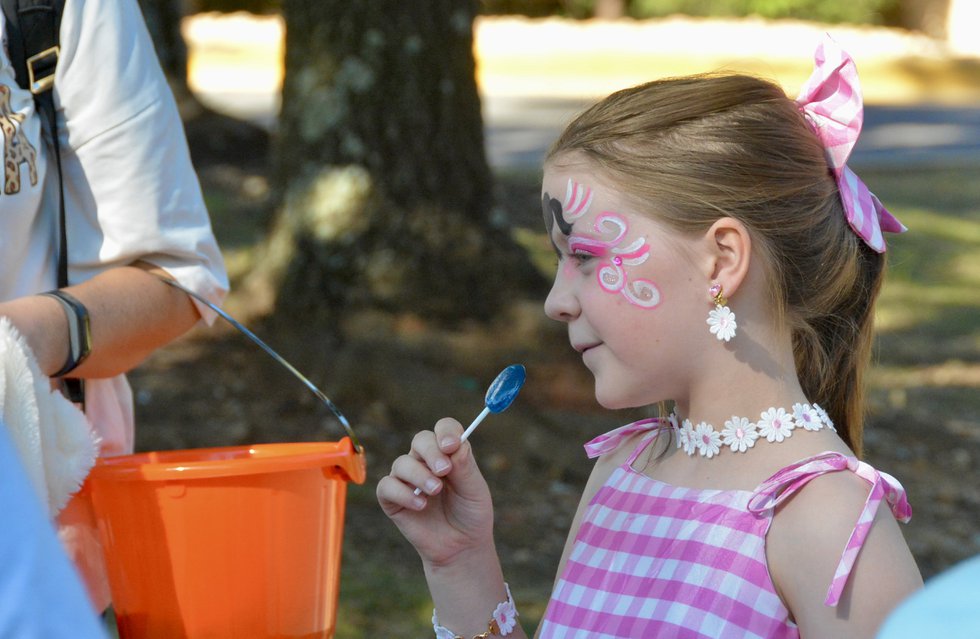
(465,477)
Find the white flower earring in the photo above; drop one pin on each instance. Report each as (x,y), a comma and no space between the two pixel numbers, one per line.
(721,319)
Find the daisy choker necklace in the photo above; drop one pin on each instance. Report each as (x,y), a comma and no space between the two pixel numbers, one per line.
(739,434)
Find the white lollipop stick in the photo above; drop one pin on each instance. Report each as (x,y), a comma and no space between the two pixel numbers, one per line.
(472,427)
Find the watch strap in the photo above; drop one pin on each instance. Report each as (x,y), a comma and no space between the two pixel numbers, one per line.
(79,330)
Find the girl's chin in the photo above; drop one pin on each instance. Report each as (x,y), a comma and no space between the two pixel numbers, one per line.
(612,401)
(615,399)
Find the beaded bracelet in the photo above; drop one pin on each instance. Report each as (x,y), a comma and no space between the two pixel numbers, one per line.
(502,621)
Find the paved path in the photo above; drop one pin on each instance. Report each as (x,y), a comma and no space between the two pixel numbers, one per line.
(535,76)
(519,131)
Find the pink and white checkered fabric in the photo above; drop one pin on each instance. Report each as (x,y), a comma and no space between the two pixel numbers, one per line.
(787,481)
(655,560)
(831,100)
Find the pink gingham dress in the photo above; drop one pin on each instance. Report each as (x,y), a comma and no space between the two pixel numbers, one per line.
(655,560)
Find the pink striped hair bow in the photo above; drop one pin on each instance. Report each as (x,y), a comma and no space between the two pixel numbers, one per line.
(831,101)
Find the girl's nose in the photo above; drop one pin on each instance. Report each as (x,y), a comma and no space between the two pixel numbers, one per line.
(561,304)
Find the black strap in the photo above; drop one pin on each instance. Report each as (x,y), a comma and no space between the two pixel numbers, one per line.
(45,103)
(34,27)
(74,387)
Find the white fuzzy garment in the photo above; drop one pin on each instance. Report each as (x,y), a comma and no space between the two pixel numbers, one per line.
(56,445)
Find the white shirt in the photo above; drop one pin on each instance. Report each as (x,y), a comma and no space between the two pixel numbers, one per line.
(130,189)
(130,194)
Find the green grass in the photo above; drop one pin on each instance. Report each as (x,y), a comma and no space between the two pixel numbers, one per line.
(929,307)
(375,592)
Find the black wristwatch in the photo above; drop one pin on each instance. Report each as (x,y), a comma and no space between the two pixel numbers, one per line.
(79,331)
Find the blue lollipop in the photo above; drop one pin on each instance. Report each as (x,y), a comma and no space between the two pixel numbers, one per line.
(500,395)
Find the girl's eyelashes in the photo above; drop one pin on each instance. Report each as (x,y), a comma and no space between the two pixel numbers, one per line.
(578,258)
(582,257)
(580,250)
(583,250)
(578,255)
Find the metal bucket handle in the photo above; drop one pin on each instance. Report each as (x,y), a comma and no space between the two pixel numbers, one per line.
(276,356)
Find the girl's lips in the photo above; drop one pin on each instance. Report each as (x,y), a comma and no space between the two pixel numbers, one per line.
(582,348)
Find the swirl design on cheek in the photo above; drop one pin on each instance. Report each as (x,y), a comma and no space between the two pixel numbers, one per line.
(612,273)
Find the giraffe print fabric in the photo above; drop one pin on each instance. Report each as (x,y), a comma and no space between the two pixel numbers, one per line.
(17,149)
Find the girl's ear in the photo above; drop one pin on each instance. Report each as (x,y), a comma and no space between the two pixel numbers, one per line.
(729,253)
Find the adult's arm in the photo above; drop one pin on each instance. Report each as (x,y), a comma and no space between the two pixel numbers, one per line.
(131,311)
(134,206)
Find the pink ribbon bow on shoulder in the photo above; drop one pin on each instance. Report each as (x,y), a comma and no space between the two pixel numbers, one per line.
(831,101)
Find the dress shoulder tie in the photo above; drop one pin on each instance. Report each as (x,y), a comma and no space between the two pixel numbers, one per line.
(608,442)
(787,481)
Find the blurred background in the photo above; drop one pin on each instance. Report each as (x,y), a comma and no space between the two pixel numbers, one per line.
(372,173)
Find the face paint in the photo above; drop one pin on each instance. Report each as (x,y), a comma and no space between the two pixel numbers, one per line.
(611,273)
(578,198)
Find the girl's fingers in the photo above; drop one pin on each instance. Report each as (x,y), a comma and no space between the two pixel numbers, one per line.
(415,473)
(447,434)
(395,495)
(420,471)
(435,446)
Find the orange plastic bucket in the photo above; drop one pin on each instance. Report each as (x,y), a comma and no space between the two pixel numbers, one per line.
(225,542)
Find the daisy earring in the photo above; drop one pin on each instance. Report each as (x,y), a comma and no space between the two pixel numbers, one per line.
(721,320)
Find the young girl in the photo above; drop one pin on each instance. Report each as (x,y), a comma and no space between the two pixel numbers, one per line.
(746,512)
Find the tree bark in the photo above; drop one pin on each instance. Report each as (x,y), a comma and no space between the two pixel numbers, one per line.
(163,18)
(927,16)
(385,190)
(610,9)
(212,136)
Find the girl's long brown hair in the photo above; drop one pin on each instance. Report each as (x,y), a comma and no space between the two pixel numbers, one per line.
(691,150)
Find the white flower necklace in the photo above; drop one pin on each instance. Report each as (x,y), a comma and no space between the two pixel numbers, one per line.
(739,434)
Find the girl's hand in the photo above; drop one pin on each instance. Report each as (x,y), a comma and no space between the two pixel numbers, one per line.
(454,512)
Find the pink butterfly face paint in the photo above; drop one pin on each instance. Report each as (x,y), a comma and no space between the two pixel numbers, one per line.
(609,245)
(616,253)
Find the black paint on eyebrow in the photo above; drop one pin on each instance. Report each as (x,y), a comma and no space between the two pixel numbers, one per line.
(552,210)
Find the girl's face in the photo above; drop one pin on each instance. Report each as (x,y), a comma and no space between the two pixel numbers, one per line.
(628,288)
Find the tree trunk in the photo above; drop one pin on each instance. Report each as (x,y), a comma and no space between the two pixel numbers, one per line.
(163,19)
(211,136)
(385,189)
(927,16)
(610,9)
